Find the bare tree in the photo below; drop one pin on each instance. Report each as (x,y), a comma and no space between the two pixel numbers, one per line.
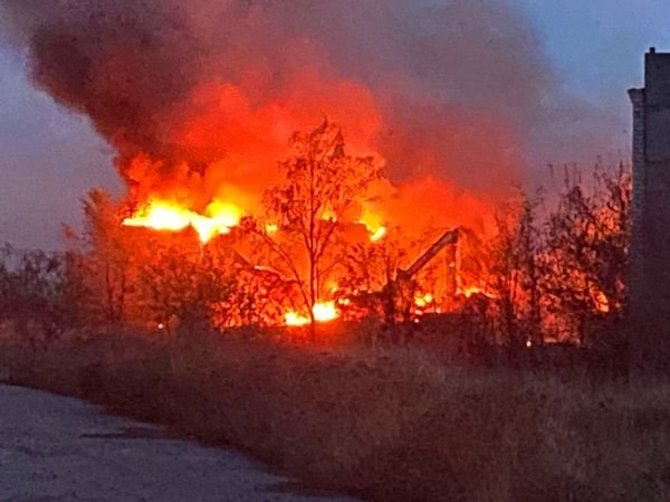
(321,186)
(187,288)
(109,257)
(584,260)
(369,267)
(40,293)
(515,274)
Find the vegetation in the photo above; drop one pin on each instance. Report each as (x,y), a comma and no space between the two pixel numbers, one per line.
(321,185)
(559,272)
(554,270)
(160,327)
(390,425)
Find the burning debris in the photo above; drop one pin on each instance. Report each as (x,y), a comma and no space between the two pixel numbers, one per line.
(212,109)
(324,209)
(200,114)
(322,312)
(219,218)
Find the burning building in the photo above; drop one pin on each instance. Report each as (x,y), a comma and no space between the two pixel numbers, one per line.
(199,102)
(650,249)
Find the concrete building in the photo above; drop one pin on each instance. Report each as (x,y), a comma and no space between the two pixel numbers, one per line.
(650,247)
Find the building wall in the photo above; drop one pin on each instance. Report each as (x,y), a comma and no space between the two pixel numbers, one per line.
(650,247)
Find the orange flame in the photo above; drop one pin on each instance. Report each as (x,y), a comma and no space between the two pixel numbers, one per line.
(294,319)
(373,222)
(164,215)
(470,291)
(378,234)
(323,312)
(601,301)
(423,300)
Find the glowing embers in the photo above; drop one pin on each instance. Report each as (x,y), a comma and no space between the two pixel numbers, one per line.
(323,312)
(470,291)
(424,300)
(219,218)
(601,301)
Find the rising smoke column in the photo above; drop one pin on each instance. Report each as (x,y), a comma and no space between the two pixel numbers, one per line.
(200,96)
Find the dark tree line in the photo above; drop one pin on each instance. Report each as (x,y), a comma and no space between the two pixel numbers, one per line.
(559,266)
(556,266)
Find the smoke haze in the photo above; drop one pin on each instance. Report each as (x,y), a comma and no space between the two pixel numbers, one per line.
(200,97)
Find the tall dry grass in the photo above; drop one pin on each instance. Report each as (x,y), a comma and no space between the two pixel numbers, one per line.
(385,425)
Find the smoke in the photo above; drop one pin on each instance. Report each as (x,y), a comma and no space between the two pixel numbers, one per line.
(207,92)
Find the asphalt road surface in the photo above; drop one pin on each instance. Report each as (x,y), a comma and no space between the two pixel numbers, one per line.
(55,448)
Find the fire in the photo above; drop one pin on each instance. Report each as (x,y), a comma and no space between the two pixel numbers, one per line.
(329,215)
(470,291)
(160,216)
(323,312)
(373,222)
(295,319)
(378,234)
(601,301)
(423,300)
(219,218)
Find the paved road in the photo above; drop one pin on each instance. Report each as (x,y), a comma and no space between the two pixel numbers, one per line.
(54,448)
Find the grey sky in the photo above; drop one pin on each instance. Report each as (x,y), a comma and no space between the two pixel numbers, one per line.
(49,159)
(597,45)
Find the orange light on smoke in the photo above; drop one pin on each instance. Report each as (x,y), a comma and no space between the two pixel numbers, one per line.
(323,312)
(224,214)
(163,215)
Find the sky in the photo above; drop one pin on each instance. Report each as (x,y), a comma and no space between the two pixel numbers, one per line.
(50,157)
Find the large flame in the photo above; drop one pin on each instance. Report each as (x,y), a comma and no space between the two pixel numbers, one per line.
(323,312)
(218,219)
(374,223)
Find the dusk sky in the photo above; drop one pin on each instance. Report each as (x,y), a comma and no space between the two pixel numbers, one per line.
(51,157)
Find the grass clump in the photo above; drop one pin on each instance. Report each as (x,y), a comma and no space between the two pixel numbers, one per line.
(384,425)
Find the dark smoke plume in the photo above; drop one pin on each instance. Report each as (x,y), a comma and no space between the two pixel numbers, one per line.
(455,89)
